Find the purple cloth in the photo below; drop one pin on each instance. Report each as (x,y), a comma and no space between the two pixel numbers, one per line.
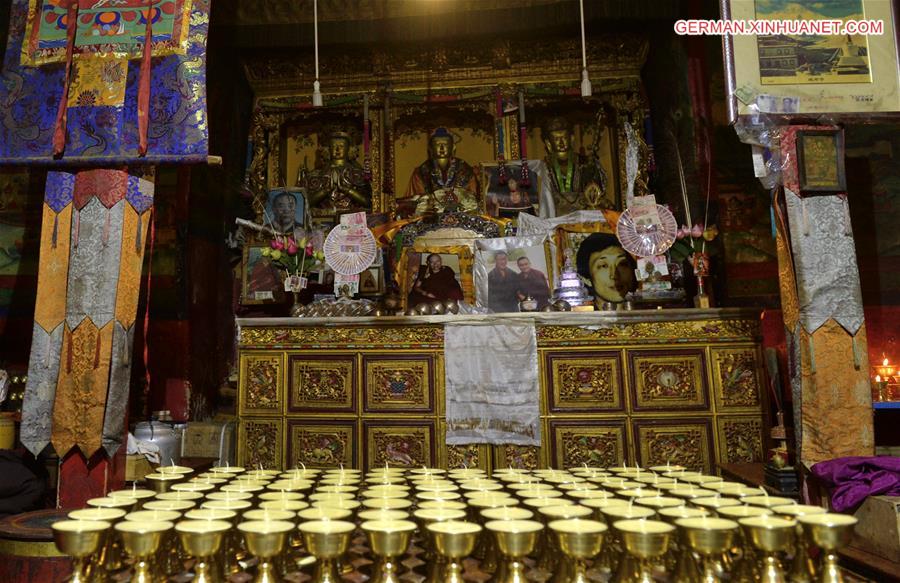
(856,478)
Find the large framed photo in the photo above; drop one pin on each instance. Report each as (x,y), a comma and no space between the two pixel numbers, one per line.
(802,75)
(262,282)
(507,200)
(429,274)
(510,269)
(286,210)
(820,161)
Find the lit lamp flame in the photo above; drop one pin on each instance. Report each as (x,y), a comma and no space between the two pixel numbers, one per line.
(886,370)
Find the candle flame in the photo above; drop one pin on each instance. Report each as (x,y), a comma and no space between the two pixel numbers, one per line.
(878,378)
(884,362)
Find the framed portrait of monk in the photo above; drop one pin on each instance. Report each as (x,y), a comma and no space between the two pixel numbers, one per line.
(261,282)
(439,273)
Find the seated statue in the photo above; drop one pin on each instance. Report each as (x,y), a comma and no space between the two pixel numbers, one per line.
(575,182)
(443,183)
(341,185)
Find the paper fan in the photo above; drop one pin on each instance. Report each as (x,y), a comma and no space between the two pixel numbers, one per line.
(349,249)
(644,238)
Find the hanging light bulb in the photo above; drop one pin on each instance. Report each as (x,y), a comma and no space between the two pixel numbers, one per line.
(317,95)
(586,90)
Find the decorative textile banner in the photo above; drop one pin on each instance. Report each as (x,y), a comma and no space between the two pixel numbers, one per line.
(78,88)
(491,380)
(92,250)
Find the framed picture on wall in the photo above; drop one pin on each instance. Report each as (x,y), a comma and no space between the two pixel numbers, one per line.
(820,161)
(436,273)
(849,69)
(510,269)
(262,282)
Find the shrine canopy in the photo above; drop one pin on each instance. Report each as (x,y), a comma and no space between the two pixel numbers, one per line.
(79,88)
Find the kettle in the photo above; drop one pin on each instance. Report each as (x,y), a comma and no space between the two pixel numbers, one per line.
(164,436)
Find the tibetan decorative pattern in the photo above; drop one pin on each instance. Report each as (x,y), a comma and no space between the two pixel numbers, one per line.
(261,384)
(322,383)
(343,337)
(399,444)
(740,439)
(398,384)
(523,457)
(736,377)
(316,443)
(674,379)
(649,332)
(584,382)
(583,444)
(465,456)
(260,443)
(685,442)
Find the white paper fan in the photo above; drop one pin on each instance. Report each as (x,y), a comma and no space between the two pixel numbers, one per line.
(643,239)
(350,249)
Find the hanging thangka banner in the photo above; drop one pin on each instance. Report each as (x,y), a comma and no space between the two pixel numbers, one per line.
(491,380)
(93,236)
(79,86)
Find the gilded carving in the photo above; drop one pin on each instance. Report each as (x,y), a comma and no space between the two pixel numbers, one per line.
(262,377)
(585,382)
(685,444)
(736,378)
(261,444)
(407,447)
(589,446)
(463,456)
(524,457)
(343,336)
(326,383)
(650,332)
(398,384)
(322,445)
(740,439)
(669,382)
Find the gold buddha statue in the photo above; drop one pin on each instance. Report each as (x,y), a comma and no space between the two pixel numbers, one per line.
(443,182)
(341,185)
(575,182)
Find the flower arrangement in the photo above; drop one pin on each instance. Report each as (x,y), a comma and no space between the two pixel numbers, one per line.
(295,257)
(690,240)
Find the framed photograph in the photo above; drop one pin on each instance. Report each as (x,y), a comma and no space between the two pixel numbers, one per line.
(567,239)
(506,201)
(820,161)
(803,75)
(262,282)
(371,281)
(286,210)
(428,274)
(510,269)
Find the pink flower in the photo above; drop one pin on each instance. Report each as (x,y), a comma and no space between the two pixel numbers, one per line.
(683,232)
(277,244)
(697,231)
(291,248)
(309,250)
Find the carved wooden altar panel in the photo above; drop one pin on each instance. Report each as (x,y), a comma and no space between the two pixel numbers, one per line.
(261,383)
(402,383)
(325,382)
(668,380)
(737,378)
(741,439)
(683,441)
(261,443)
(582,442)
(404,443)
(524,457)
(584,382)
(322,443)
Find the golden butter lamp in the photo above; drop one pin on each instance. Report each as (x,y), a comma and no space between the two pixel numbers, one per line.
(110,557)
(645,541)
(548,556)
(714,503)
(309,473)
(192,487)
(385,491)
(80,539)
(366,515)
(638,493)
(334,489)
(507,513)
(658,501)
(767,501)
(229,495)
(226,470)
(280,495)
(612,555)
(454,541)
(292,505)
(169,561)
(437,487)
(426,516)
(174,469)
(297,486)
(316,496)
(194,496)
(326,540)
(745,567)
(769,535)
(710,538)
(387,503)
(448,504)
(173,505)
(211,514)
(829,532)
(803,569)
(388,540)
(344,503)
(139,495)
(516,540)
(229,504)
(442,495)
(667,468)
(141,541)
(466,473)
(579,495)
(583,485)
(654,480)
(210,480)
(579,540)
(162,482)
(201,540)
(265,514)
(265,540)
(321,514)
(126,504)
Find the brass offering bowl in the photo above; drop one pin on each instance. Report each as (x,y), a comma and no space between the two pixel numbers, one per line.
(162,482)
(139,495)
(193,496)
(227,470)
(387,503)
(711,538)
(448,504)
(326,540)
(769,535)
(645,541)
(506,513)
(767,501)
(265,540)
(211,514)
(516,539)
(229,495)
(388,539)
(579,540)
(291,505)
(803,569)
(126,504)
(172,505)
(453,541)
(269,514)
(141,541)
(714,503)
(549,553)
(659,501)
(202,539)
(323,514)
(110,556)
(366,515)
(667,468)
(829,532)
(236,505)
(280,495)
(192,487)
(80,539)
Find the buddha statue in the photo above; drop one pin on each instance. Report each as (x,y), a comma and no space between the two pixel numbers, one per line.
(444,182)
(575,182)
(341,185)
